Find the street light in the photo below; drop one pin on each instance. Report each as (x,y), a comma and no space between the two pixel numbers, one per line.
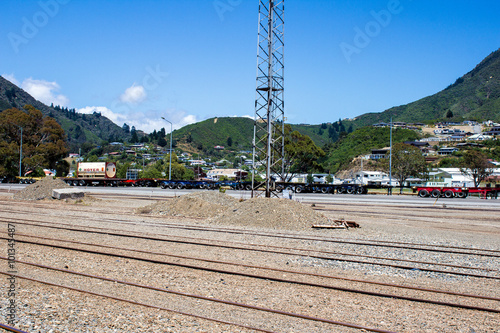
(170,164)
(21,152)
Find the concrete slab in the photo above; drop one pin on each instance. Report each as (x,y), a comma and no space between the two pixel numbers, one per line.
(67,193)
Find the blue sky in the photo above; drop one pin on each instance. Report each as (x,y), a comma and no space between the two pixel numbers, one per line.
(189,60)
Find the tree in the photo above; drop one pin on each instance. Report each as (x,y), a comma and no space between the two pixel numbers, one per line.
(407,161)
(162,142)
(449,114)
(126,128)
(301,153)
(475,164)
(150,172)
(44,140)
(134,138)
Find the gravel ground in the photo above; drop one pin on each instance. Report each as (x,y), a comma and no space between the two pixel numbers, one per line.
(49,309)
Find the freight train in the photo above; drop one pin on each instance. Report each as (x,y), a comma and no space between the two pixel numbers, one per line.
(104,174)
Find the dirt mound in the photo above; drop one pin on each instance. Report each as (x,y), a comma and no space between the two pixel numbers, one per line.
(220,208)
(42,189)
(271,213)
(200,204)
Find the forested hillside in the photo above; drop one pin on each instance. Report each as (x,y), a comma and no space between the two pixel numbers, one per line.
(474,96)
(80,129)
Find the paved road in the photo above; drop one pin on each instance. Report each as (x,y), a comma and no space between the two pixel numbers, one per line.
(369,199)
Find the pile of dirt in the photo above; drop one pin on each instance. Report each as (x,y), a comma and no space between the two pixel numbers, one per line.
(40,190)
(271,213)
(222,209)
(201,204)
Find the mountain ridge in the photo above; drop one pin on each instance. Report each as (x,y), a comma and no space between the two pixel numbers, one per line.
(81,129)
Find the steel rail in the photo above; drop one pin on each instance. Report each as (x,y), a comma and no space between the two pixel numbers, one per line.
(281,235)
(301,238)
(411,246)
(256,276)
(245,247)
(247,306)
(268,268)
(135,303)
(272,246)
(11,329)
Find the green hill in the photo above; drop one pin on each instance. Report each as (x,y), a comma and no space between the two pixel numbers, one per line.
(361,142)
(233,133)
(81,129)
(474,96)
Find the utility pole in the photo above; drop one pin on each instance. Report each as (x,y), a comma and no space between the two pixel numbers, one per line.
(389,190)
(21,153)
(170,163)
(269,141)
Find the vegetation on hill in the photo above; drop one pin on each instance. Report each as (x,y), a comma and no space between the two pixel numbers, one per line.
(361,142)
(232,133)
(474,96)
(82,130)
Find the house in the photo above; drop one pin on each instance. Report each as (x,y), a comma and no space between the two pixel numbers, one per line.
(423,146)
(233,174)
(447,151)
(493,131)
(449,177)
(479,137)
(379,153)
(197,162)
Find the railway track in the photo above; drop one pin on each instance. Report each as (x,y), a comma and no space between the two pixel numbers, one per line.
(258,276)
(365,242)
(303,252)
(187,295)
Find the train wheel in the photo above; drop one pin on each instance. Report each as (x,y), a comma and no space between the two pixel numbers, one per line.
(423,193)
(436,193)
(448,194)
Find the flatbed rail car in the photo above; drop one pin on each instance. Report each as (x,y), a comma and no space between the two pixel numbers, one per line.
(280,186)
(456,192)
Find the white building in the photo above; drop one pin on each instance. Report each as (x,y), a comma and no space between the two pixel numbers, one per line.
(233,174)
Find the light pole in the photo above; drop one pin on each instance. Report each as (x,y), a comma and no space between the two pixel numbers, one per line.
(21,152)
(170,164)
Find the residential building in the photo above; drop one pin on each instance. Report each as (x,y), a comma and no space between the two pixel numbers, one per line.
(233,174)
(379,153)
(447,151)
(493,131)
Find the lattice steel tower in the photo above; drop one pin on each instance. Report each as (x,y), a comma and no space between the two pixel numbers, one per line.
(268,141)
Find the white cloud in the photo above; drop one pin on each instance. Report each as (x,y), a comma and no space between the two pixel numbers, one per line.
(145,121)
(45,91)
(11,78)
(134,95)
(117,118)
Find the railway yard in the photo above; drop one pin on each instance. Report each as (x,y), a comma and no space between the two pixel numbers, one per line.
(124,261)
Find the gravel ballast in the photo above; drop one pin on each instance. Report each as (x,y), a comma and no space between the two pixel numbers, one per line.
(45,309)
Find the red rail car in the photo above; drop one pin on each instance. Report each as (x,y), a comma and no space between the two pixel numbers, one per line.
(456,192)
